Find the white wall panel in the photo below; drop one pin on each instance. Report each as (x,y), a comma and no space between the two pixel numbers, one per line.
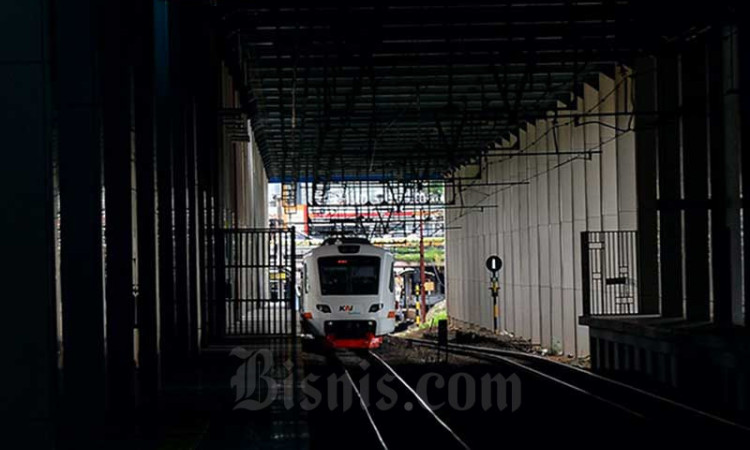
(536,227)
(533,236)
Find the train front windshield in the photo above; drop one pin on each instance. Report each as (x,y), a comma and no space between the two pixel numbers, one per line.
(350,275)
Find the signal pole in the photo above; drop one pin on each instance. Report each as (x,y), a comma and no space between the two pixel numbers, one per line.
(422,293)
(494,264)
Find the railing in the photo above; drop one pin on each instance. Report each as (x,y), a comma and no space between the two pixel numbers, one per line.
(256,290)
(611,273)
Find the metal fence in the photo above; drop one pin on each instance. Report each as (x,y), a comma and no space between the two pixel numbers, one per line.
(256,292)
(610,273)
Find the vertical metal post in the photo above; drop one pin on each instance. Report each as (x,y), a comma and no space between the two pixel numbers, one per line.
(494,288)
(293,287)
(223,268)
(422,293)
(586,271)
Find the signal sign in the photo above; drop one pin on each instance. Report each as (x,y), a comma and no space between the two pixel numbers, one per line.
(494,264)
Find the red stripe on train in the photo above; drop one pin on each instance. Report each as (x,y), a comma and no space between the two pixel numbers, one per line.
(369,341)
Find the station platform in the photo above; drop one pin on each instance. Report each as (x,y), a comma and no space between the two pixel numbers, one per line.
(242,395)
(698,363)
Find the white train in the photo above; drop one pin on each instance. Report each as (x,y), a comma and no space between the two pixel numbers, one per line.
(348,293)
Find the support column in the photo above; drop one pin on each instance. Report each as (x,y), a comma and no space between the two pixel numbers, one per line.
(695,164)
(567,240)
(180,215)
(199,58)
(555,258)
(28,337)
(591,140)
(729,308)
(645,161)
(193,231)
(521,194)
(579,226)
(165,201)
(744,75)
(608,144)
(119,206)
(147,298)
(670,214)
(208,158)
(180,110)
(627,201)
(543,204)
(80,164)
(533,230)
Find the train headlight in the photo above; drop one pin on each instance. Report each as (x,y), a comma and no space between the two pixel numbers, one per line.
(323,308)
(375,307)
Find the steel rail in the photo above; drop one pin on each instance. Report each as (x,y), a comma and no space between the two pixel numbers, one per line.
(504,355)
(418,399)
(363,405)
(550,378)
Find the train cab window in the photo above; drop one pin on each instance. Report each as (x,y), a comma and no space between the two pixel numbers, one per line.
(392,278)
(306,280)
(349,275)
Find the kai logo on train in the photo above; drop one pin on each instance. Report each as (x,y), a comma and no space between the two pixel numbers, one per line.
(346,308)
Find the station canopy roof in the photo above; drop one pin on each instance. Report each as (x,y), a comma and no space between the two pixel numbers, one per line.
(412,90)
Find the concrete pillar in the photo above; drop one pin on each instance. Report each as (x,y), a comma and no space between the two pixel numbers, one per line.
(523,303)
(509,270)
(476,274)
(567,260)
(695,164)
(543,205)
(744,74)
(208,104)
(512,208)
(180,107)
(200,67)
(592,140)
(627,200)
(165,186)
(670,216)
(119,173)
(193,233)
(29,342)
(533,232)
(645,160)
(81,200)
(608,145)
(181,214)
(729,312)
(579,226)
(147,257)
(555,260)
(502,248)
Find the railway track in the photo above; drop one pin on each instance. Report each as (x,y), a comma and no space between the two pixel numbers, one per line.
(403,419)
(663,413)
